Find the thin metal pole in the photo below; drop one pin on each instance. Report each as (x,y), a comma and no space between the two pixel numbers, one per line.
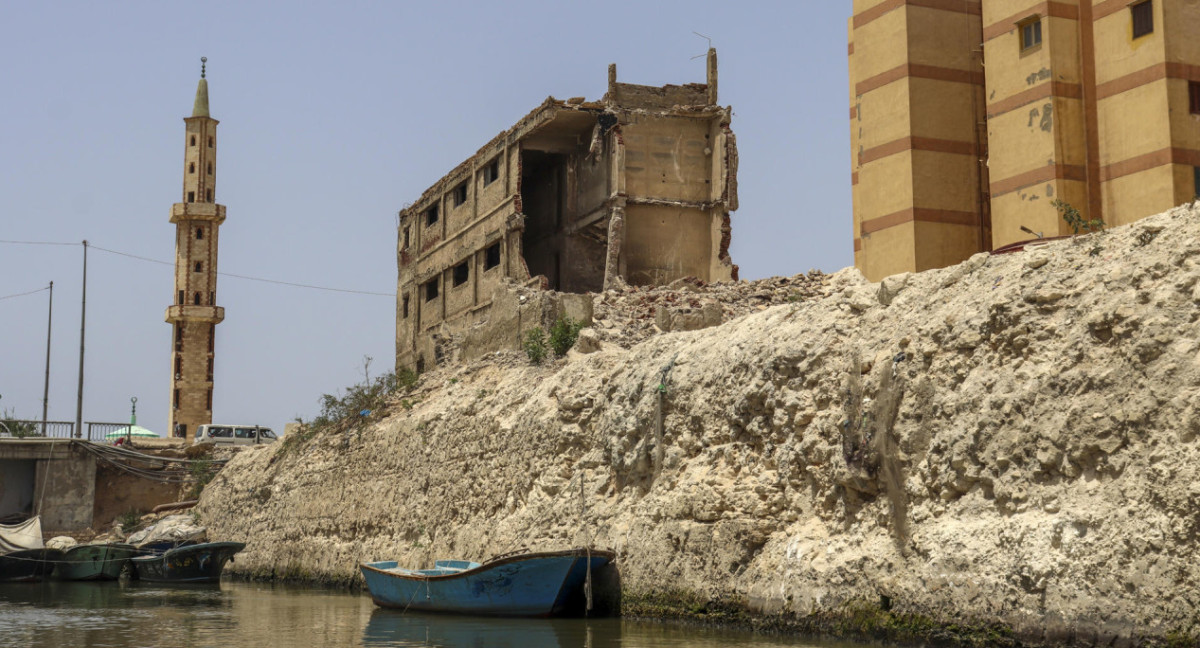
(82,322)
(46,387)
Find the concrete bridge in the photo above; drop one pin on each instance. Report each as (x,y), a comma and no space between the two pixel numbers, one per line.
(48,476)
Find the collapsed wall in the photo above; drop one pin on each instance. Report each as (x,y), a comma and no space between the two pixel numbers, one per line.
(1010,441)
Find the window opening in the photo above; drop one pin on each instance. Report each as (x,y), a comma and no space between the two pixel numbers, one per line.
(199,267)
(1143,18)
(491,256)
(191,196)
(192,167)
(181,297)
(431,215)
(210,142)
(212,337)
(491,172)
(405,309)
(179,337)
(208,401)
(208,195)
(460,194)
(178,367)
(462,272)
(1196,180)
(1031,33)
(199,233)
(210,168)
(1194,97)
(176,398)
(210,368)
(407,237)
(196,299)
(431,289)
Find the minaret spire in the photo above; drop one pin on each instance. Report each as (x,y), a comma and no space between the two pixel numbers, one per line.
(200,107)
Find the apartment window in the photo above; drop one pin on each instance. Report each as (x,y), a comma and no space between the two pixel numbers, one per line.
(199,233)
(491,256)
(198,267)
(1143,18)
(431,289)
(431,215)
(405,302)
(1194,97)
(461,273)
(1031,33)
(460,194)
(491,172)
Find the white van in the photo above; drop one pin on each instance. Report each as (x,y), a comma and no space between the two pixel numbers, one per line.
(235,434)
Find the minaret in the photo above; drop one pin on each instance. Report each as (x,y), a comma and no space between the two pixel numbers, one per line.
(194,313)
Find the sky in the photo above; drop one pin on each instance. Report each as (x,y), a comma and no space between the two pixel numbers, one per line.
(333,117)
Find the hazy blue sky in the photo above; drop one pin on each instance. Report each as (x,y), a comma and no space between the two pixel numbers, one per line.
(333,117)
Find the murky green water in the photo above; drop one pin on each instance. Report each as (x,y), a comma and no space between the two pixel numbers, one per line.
(248,615)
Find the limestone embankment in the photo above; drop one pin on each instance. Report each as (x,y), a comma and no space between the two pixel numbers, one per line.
(1009,441)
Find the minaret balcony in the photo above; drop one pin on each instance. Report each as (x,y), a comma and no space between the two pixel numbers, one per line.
(188,313)
(197,211)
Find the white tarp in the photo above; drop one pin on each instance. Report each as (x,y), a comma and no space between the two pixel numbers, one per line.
(26,535)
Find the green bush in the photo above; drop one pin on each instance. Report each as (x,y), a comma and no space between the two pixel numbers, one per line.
(563,335)
(1075,219)
(535,345)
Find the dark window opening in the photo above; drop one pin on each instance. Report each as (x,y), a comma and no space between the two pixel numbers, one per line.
(193,140)
(407,237)
(210,142)
(198,267)
(462,273)
(491,256)
(178,367)
(1031,34)
(199,233)
(210,369)
(192,167)
(491,172)
(208,402)
(179,337)
(1143,18)
(431,289)
(212,337)
(405,306)
(1196,181)
(181,297)
(210,168)
(431,215)
(191,196)
(208,195)
(196,299)
(176,398)
(460,194)
(1194,97)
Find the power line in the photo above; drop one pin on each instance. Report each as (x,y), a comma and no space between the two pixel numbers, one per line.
(24,293)
(222,274)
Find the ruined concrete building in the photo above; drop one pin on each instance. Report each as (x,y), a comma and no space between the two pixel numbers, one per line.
(575,197)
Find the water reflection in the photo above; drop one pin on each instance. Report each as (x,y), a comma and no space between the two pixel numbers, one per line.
(248,615)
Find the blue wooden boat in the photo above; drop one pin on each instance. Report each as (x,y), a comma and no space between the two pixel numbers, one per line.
(193,563)
(529,584)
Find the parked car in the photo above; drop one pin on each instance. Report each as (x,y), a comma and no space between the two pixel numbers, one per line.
(235,434)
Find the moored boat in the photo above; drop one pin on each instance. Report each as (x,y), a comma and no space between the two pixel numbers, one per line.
(193,563)
(94,561)
(530,584)
(28,565)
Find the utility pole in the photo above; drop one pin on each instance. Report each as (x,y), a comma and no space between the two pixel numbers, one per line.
(46,387)
(82,321)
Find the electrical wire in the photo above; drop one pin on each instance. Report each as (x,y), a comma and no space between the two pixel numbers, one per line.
(31,292)
(222,274)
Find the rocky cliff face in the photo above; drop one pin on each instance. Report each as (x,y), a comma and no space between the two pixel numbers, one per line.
(1012,440)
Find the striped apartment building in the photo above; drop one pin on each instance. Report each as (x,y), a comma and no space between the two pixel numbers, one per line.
(969,117)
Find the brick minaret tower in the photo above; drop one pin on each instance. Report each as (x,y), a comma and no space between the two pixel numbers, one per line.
(194,315)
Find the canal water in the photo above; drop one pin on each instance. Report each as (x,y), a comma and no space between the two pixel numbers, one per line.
(253,615)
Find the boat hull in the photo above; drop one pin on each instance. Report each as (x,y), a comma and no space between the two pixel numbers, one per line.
(197,563)
(28,565)
(94,562)
(538,584)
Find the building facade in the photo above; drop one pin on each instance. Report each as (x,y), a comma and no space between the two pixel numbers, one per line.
(970,118)
(194,313)
(576,196)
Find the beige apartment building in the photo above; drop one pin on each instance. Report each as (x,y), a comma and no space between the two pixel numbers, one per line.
(194,314)
(970,117)
(577,195)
